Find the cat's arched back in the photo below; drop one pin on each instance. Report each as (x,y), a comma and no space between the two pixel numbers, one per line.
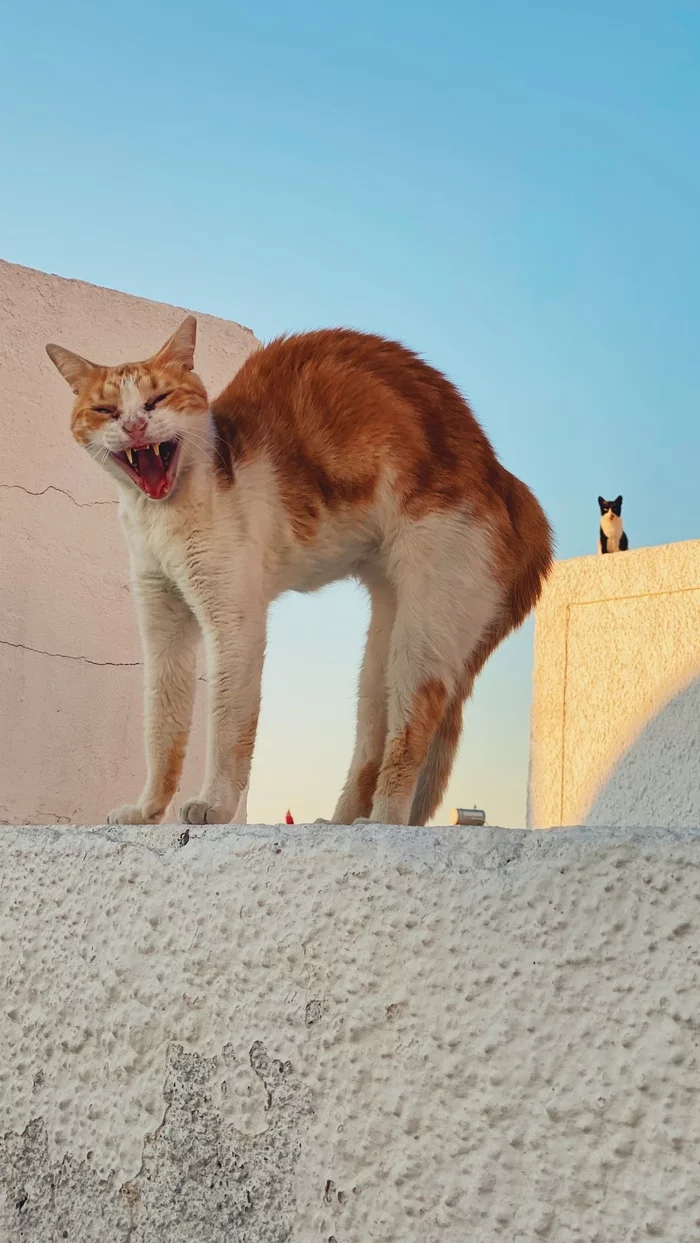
(330,454)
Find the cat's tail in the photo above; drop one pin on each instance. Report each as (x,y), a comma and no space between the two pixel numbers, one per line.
(533,549)
(533,546)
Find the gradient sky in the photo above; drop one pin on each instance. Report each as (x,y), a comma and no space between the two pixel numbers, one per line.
(513,189)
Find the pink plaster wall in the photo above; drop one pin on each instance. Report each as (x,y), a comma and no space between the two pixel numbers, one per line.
(70,677)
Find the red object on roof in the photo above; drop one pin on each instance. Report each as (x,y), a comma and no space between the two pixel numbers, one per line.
(289,819)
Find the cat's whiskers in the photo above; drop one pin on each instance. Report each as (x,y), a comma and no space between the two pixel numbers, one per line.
(207,444)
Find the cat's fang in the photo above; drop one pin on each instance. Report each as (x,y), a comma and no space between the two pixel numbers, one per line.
(156,450)
(130,456)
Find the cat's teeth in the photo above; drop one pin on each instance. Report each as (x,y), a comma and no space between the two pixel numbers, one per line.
(130,456)
(156,450)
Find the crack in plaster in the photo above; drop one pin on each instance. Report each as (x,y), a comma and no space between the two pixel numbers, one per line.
(109,664)
(18,487)
(101,664)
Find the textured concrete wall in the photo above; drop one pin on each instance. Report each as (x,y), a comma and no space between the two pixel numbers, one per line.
(333,1036)
(615,733)
(70,709)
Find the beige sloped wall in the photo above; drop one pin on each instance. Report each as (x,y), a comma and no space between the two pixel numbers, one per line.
(615,729)
(70,678)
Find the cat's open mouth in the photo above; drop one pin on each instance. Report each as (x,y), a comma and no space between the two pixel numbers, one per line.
(152,467)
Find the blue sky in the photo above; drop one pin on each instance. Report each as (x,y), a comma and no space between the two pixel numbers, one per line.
(513,189)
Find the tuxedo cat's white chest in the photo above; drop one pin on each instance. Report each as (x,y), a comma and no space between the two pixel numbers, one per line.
(612,529)
(613,545)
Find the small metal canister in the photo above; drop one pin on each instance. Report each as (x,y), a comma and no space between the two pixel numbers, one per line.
(469,816)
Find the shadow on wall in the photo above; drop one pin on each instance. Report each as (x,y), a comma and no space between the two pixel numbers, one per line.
(656,783)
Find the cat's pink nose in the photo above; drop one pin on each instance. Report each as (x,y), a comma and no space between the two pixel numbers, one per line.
(135,425)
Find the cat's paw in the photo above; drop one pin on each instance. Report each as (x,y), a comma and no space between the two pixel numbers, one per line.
(362,820)
(130,813)
(198,811)
(321,820)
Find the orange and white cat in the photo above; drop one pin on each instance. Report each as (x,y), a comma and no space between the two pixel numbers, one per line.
(330,454)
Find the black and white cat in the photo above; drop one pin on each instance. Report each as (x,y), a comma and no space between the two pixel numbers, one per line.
(611,537)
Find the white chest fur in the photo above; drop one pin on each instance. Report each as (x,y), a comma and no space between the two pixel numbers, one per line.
(612,528)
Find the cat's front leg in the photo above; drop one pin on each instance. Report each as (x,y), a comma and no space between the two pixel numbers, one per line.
(241,814)
(170,634)
(234,640)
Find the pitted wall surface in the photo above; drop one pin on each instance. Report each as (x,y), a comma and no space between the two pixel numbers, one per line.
(349,1034)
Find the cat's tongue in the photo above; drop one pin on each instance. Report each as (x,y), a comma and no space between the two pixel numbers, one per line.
(152,472)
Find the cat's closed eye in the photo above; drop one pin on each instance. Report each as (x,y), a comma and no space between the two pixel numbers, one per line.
(155,401)
(110,410)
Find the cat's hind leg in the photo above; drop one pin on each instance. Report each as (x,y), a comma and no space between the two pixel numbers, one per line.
(356,799)
(518,600)
(438,764)
(448,599)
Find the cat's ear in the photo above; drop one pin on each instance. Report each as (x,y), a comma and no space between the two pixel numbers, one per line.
(180,347)
(618,502)
(75,370)
(601,502)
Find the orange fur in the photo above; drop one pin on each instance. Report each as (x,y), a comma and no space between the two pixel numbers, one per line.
(330,453)
(188,394)
(366,786)
(437,766)
(408,750)
(173,770)
(333,410)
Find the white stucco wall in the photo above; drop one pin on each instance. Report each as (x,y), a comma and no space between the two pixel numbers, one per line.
(615,728)
(70,707)
(342,1035)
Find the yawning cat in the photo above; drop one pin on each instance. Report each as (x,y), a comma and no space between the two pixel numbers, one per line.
(330,454)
